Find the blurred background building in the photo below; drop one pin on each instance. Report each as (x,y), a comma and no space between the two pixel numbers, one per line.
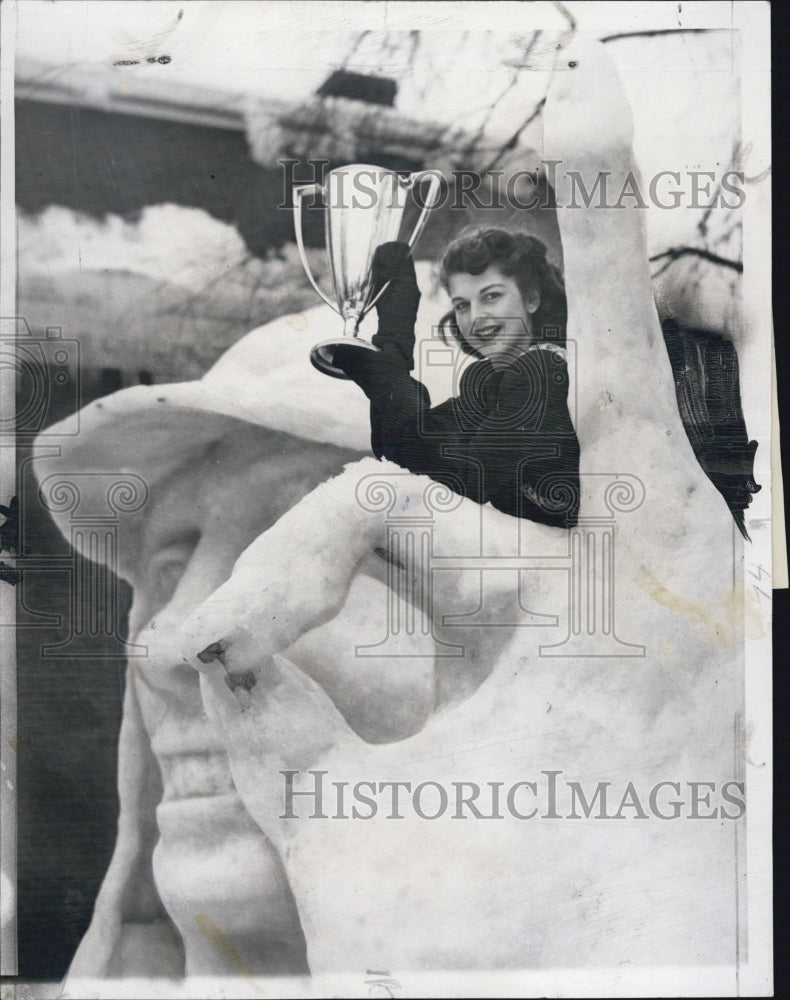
(149,142)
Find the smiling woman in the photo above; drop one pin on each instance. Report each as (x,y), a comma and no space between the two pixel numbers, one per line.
(507,437)
(493,275)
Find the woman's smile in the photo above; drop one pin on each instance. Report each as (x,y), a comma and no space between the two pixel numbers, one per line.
(486,330)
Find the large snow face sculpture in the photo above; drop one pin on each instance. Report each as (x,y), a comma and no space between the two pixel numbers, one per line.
(380,726)
(210,858)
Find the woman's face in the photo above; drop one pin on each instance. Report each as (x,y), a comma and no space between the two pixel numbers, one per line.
(492,314)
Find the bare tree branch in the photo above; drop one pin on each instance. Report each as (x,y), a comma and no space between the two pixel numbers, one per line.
(354,46)
(513,140)
(675,253)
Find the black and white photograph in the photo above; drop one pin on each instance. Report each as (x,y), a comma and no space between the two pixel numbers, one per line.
(390,499)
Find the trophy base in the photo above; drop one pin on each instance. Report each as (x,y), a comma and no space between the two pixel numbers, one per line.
(321,355)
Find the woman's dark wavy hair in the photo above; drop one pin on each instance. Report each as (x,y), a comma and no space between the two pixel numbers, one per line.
(517,255)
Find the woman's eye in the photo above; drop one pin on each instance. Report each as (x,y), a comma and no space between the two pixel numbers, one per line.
(492,296)
(461,307)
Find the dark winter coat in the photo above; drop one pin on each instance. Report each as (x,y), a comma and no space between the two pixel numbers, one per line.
(506,438)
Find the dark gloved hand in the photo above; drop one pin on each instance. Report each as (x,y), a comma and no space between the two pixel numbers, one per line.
(359,364)
(397,307)
(375,372)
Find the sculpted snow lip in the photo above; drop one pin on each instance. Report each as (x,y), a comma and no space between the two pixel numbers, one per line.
(195,775)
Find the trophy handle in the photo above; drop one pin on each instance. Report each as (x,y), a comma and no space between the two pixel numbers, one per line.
(433,195)
(298,195)
(430,202)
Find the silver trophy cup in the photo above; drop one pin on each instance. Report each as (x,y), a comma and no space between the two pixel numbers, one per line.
(364,208)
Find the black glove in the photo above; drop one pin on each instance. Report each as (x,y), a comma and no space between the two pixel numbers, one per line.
(397,307)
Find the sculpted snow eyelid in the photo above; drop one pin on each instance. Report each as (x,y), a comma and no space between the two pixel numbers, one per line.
(167,566)
(175,541)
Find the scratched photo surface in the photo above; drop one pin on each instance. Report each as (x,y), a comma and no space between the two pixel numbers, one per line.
(392,534)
